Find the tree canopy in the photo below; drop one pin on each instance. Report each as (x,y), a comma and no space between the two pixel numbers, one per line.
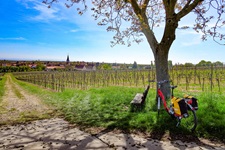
(131,20)
(149,14)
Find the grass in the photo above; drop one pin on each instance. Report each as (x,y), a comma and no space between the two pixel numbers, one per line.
(2,91)
(211,117)
(2,84)
(25,115)
(110,108)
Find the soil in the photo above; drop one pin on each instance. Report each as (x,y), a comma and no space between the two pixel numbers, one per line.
(17,130)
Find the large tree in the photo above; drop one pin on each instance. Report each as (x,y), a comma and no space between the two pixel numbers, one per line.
(141,17)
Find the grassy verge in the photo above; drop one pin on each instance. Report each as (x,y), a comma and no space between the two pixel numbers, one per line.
(2,84)
(23,115)
(110,108)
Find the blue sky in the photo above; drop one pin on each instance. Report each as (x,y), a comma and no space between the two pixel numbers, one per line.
(31,31)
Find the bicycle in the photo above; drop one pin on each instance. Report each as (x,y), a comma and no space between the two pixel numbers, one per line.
(187,111)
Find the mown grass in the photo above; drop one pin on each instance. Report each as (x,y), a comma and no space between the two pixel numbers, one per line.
(110,108)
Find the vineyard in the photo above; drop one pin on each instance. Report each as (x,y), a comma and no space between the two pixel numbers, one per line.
(188,79)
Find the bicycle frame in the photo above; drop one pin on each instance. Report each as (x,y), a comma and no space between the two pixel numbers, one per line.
(160,95)
(170,110)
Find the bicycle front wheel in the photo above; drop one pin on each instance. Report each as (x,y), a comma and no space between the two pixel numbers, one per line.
(191,121)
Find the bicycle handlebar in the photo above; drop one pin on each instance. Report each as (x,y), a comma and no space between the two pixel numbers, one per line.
(164,81)
(160,82)
(173,86)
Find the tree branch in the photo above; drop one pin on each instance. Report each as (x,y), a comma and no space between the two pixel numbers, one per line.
(144,6)
(188,8)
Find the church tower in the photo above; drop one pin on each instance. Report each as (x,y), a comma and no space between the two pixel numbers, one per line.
(68,60)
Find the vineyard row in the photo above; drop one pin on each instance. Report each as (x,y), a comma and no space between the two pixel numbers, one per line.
(186,78)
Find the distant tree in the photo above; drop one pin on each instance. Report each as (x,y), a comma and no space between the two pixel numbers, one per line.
(218,64)
(204,63)
(40,66)
(189,65)
(135,66)
(152,64)
(143,16)
(170,64)
(105,66)
(24,68)
(123,66)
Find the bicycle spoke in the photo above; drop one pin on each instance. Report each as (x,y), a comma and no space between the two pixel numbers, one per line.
(191,121)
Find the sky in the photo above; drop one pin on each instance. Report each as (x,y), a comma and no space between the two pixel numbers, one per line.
(31,31)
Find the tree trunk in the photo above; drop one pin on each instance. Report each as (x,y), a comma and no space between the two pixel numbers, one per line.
(160,49)
(161,63)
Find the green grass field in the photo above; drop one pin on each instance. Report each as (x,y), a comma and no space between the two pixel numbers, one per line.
(109,107)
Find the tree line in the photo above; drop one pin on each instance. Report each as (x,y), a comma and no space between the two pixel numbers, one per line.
(109,66)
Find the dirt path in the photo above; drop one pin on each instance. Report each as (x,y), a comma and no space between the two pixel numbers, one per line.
(18,104)
(56,133)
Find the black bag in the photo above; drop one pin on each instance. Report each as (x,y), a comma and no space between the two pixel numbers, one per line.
(192,101)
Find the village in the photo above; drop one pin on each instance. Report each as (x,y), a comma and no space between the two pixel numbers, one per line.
(37,65)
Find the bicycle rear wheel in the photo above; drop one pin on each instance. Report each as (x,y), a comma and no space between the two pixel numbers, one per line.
(158,105)
(191,121)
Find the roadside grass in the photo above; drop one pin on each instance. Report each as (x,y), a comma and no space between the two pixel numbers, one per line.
(31,115)
(109,107)
(26,115)
(2,84)
(2,91)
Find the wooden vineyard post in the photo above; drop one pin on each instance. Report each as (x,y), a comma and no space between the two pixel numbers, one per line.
(211,78)
(53,80)
(93,79)
(62,84)
(187,82)
(203,83)
(218,82)
(73,79)
(199,79)
(172,73)
(84,81)
(195,74)
(177,72)
(103,79)
(186,78)
(38,80)
(143,79)
(45,80)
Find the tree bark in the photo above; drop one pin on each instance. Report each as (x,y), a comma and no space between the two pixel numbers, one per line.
(162,72)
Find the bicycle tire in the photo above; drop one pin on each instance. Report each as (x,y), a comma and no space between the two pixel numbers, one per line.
(191,121)
(158,105)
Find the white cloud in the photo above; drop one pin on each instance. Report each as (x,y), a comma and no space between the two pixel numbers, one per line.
(14,38)
(188,37)
(192,42)
(59,12)
(74,30)
(45,13)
